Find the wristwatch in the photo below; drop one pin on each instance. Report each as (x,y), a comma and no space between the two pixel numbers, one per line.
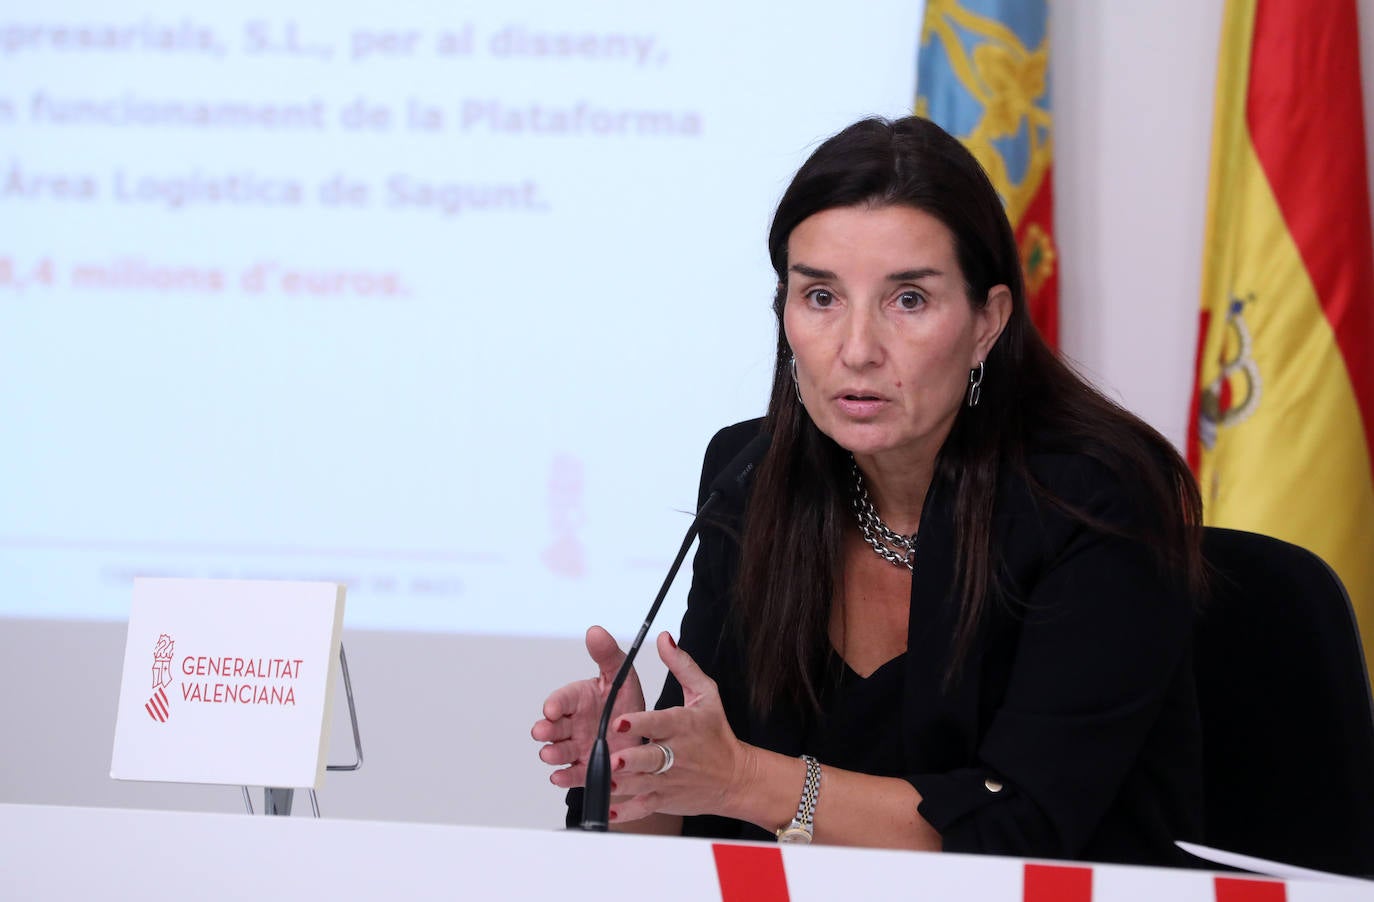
(801,829)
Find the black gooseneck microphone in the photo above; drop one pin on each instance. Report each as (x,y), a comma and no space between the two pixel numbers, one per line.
(729,484)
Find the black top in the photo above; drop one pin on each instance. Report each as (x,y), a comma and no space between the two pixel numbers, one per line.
(854,730)
(1073,729)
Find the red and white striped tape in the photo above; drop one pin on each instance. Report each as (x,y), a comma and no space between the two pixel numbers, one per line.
(756,874)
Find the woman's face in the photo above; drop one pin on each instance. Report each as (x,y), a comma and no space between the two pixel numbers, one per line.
(879,319)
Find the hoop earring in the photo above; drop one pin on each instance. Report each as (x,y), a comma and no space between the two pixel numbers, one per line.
(792,364)
(975,384)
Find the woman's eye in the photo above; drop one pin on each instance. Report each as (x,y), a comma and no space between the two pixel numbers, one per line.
(910,300)
(820,297)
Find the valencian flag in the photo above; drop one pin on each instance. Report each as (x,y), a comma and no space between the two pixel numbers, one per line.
(983,76)
(1283,415)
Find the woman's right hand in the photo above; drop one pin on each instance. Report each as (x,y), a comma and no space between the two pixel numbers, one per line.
(572,714)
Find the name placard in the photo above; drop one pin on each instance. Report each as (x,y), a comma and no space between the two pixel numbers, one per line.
(228,681)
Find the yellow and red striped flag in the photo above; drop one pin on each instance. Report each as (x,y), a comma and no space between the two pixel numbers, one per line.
(983,76)
(1283,415)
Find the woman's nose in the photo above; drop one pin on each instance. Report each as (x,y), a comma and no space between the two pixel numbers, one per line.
(862,340)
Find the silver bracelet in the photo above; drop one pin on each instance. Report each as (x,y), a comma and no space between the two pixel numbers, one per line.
(802,828)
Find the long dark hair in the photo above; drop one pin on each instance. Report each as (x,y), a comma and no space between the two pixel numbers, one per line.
(791,545)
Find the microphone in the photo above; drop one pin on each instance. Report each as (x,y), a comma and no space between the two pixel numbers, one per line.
(729,484)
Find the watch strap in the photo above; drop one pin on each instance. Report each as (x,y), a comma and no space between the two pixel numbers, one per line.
(802,827)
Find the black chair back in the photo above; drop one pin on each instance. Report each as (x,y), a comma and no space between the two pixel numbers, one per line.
(1288,729)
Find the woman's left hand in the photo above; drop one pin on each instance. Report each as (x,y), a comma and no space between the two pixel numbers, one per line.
(710,766)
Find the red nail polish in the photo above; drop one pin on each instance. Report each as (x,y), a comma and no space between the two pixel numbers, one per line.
(614,815)
(623,727)
(614,786)
(619,764)
(671,642)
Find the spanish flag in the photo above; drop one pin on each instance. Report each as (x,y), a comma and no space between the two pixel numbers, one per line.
(983,76)
(1283,415)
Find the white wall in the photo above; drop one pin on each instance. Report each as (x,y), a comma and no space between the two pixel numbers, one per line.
(1133,105)
(445,718)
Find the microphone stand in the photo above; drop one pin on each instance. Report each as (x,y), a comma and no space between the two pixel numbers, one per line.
(596,800)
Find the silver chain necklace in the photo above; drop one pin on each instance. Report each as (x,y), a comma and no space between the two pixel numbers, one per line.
(890,545)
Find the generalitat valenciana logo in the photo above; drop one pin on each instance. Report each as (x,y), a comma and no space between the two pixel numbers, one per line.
(157,706)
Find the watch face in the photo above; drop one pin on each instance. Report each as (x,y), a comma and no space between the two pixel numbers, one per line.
(795,835)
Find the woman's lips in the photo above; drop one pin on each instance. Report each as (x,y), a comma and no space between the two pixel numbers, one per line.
(859,404)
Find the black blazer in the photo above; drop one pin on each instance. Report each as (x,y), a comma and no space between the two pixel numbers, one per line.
(1073,731)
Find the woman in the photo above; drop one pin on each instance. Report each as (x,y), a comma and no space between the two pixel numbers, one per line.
(961,588)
